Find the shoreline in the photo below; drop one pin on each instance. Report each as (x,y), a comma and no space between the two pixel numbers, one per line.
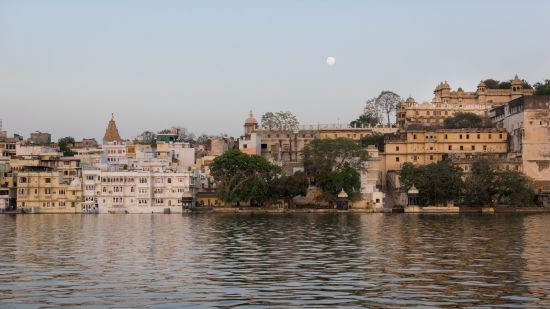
(407,210)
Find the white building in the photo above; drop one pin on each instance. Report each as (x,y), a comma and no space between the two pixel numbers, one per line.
(138,191)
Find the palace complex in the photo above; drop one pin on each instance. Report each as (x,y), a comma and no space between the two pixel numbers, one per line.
(163,173)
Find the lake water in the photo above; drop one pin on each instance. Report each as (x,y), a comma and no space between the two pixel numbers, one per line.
(278,260)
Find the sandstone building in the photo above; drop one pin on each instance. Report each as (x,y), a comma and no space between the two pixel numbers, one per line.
(447,102)
(527,121)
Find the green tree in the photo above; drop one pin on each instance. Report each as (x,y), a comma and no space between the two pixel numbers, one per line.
(65,145)
(479,186)
(465,120)
(333,164)
(333,182)
(280,121)
(542,88)
(287,187)
(241,177)
(512,188)
(491,83)
(376,139)
(365,121)
(436,182)
(387,102)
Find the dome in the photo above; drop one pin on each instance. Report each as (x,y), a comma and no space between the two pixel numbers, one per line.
(342,194)
(481,84)
(250,119)
(445,85)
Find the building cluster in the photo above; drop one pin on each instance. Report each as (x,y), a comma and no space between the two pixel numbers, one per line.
(163,174)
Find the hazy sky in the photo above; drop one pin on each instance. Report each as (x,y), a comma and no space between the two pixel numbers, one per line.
(66,65)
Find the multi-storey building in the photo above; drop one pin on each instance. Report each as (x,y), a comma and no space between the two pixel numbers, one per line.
(287,146)
(41,138)
(447,102)
(527,120)
(45,190)
(138,191)
(430,146)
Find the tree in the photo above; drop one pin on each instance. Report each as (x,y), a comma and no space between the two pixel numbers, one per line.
(65,145)
(465,120)
(184,135)
(202,139)
(387,102)
(512,188)
(280,121)
(241,177)
(491,83)
(334,163)
(287,187)
(146,137)
(437,183)
(479,186)
(364,121)
(376,139)
(346,178)
(542,88)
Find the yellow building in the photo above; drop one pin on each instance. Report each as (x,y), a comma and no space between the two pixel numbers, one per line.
(447,102)
(44,190)
(353,133)
(430,146)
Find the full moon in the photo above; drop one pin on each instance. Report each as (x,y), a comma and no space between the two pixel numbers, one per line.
(330,60)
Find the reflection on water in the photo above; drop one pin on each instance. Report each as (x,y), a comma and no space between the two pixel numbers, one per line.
(226,260)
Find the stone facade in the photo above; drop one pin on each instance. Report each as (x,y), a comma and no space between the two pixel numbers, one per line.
(41,138)
(527,120)
(45,190)
(430,146)
(447,102)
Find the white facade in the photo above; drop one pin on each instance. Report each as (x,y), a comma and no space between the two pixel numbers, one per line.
(137,191)
(183,153)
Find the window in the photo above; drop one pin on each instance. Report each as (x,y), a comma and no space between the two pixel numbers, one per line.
(473,147)
(47,180)
(446,136)
(61,191)
(169,180)
(396,148)
(460,136)
(397,159)
(490,135)
(450,147)
(142,180)
(23,179)
(484,147)
(47,191)
(467,136)
(478,136)
(431,158)
(500,136)
(414,136)
(245,146)
(461,147)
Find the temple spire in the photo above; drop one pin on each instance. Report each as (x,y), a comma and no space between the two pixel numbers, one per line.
(111,133)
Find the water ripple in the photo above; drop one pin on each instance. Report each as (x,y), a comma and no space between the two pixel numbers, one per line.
(279,261)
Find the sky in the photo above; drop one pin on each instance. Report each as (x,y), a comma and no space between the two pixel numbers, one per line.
(65,66)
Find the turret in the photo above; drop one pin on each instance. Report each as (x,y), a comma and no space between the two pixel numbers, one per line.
(481,92)
(250,124)
(517,87)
